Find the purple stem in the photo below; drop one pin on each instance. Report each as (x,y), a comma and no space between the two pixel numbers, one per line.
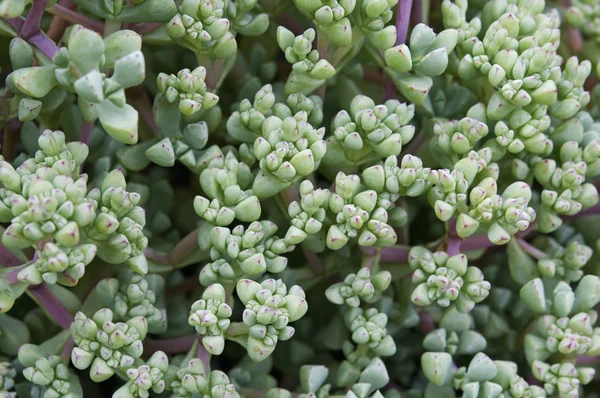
(402,20)
(7,259)
(86,132)
(66,352)
(43,42)
(156,256)
(592,211)
(11,276)
(392,254)
(144,28)
(416,15)
(453,246)
(413,146)
(34,18)
(204,356)
(16,23)
(74,17)
(315,262)
(476,242)
(53,306)
(531,250)
(176,345)
(426,324)
(585,360)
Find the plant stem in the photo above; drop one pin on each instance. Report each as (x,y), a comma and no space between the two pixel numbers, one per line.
(64,12)
(66,352)
(426,324)
(391,254)
(531,250)
(175,345)
(403,13)
(140,100)
(594,210)
(11,276)
(204,356)
(585,360)
(371,262)
(7,259)
(415,144)
(184,247)
(59,24)
(111,26)
(44,44)
(144,28)
(402,20)
(314,260)
(86,132)
(51,305)
(34,18)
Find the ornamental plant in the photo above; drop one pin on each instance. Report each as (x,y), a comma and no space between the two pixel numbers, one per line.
(299,198)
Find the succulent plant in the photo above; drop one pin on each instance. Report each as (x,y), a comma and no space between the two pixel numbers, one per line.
(307,198)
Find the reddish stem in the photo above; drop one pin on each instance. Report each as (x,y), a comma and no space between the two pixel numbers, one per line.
(175,345)
(144,28)
(53,306)
(184,247)
(66,13)
(402,22)
(7,259)
(141,102)
(11,276)
(66,352)
(204,356)
(156,256)
(44,44)
(531,250)
(413,146)
(592,211)
(86,132)
(34,18)
(426,324)
(59,24)
(585,360)
(315,262)
(392,254)
(16,23)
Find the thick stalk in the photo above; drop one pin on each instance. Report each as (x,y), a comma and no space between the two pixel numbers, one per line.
(111,26)
(59,25)
(402,21)
(7,259)
(184,247)
(175,345)
(66,13)
(204,356)
(34,18)
(12,129)
(531,250)
(44,44)
(51,305)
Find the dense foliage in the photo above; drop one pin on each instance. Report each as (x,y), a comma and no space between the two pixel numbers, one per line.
(299,198)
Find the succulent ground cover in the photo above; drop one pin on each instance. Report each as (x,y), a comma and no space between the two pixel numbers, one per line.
(299,198)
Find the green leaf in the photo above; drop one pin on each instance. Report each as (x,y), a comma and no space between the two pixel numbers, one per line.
(130,70)
(14,334)
(160,11)
(121,123)
(36,81)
